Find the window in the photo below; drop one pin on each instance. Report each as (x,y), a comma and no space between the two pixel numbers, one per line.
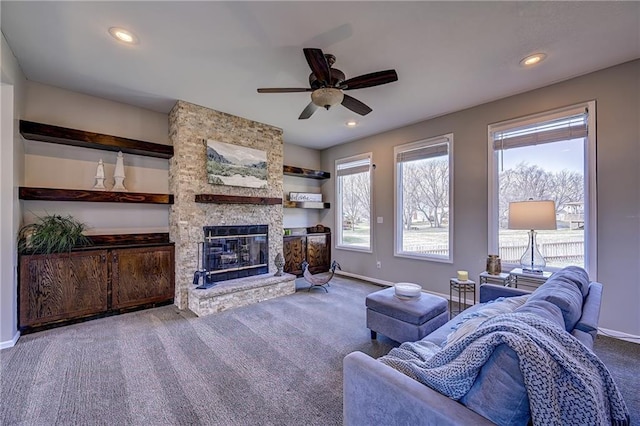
(424,199)
(548,156)
(353,186)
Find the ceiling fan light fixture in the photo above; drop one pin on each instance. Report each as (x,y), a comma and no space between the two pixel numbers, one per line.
(327,97)
(123,35)
(351,123)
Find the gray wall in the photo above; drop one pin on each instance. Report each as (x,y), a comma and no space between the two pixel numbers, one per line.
(617,94)
(13,88)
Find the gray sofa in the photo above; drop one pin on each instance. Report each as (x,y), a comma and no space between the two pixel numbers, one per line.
(375,393)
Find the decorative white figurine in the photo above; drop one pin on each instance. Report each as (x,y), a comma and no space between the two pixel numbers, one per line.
(118,175)
(99,186)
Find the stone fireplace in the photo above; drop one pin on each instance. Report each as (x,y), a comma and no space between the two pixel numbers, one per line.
(190,126)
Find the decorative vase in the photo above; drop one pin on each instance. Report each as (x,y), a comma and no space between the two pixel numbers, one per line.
(279,262)
(118,175)
(493,264)
(99,186)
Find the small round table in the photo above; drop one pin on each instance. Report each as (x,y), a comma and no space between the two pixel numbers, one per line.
(461,288)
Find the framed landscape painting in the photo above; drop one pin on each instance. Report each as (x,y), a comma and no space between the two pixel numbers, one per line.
(235,165)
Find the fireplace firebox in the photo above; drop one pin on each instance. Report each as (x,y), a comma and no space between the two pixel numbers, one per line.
(230,252)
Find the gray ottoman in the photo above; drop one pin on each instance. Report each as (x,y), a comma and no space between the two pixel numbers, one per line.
(404,320)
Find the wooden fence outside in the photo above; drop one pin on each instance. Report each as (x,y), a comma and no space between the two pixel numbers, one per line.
(562,252)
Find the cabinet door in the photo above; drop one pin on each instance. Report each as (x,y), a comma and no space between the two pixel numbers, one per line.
(294,248)
(319,253)
(141,276)
(56,287)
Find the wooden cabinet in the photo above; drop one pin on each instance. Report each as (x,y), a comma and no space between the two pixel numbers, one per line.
(141,275)
(319,252)
(314,248)
(295,252)
(58,288)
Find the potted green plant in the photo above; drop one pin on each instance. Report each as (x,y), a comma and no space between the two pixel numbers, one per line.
(52,234)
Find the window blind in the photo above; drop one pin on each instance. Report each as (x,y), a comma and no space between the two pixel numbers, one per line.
(422,153)
(352,167)
(565,128)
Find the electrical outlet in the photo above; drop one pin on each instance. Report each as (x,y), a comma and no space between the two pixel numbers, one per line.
(378,264)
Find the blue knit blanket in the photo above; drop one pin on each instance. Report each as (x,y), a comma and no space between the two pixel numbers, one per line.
(565,381)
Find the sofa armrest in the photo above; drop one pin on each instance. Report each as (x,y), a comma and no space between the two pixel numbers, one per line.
(588,322)
(375,393)
(493,291)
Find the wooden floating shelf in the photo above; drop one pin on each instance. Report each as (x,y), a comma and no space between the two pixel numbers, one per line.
(306,205)
(64,136)
(236,199)
(53,194)
(129,239)
(305,173)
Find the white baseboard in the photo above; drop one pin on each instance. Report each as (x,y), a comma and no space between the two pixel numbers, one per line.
(389,284)
(363,278)
(619,335)
(10,343)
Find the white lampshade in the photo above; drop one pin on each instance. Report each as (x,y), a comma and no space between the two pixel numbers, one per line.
(532,215)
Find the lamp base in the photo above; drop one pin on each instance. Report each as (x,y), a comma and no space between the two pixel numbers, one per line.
(532,260)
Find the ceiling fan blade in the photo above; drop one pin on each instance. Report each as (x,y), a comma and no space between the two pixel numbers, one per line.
(308,111)
(370,80)
(284,90)
(355,105)
(318,64)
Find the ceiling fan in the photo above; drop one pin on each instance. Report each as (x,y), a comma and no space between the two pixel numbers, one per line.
(327,84)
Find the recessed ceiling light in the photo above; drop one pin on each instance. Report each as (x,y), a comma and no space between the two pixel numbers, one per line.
(351,123)
(123,35)
(534,59)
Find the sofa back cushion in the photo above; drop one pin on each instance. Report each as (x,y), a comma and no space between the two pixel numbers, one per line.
(544,309)
(576,276)
(565,290)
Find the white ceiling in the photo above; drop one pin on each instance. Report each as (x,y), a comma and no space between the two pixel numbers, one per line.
(448,55)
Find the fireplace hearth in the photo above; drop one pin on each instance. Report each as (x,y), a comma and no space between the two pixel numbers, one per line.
(230,252)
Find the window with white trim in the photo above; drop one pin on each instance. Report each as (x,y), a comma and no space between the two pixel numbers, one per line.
(549,156)
(424,199)
(353,212)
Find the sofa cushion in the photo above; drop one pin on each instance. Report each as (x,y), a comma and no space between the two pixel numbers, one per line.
(498,392)
(563,293)
(544,309)
(576,276)
(439,336)
(468,322)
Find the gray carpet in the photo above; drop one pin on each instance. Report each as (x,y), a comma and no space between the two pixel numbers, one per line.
(278,362)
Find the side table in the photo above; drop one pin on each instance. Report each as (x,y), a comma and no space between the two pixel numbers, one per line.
(462,288)
(530,279)
(502,278)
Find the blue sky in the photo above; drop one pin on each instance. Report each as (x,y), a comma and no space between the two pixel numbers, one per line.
(553,157)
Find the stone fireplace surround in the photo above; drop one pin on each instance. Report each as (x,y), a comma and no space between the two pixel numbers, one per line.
(190,126)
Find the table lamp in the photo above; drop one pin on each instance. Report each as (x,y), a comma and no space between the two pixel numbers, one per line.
(532,215)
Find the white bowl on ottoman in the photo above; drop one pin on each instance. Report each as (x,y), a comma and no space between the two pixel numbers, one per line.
(407,290)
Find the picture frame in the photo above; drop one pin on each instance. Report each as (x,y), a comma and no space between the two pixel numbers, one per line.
(235,165)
